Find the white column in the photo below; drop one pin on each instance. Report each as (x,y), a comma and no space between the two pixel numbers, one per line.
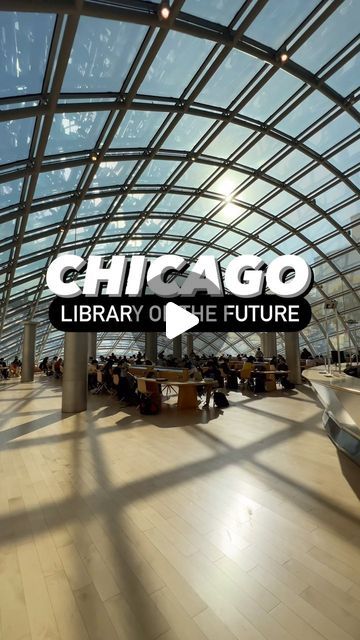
(189,343)
(92,337)
(75,378)
(151,346)
(292,353)
(28,353)
(177,347)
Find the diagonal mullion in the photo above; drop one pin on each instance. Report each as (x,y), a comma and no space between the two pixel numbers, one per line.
(61,65)
(141,73)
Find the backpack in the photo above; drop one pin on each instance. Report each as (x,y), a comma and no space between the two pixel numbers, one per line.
(148,406)
(132,398)
(220,400)
(259,384)
(287,384)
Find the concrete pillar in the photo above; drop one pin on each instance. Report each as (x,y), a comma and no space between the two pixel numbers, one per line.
(189,343)
(177,347)
(28,353)
(151,346)
(92,337)
(292,354)
(262,342)
(268,343)
(75,378)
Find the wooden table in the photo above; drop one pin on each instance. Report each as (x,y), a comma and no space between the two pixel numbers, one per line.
(169,373)
(187,394)
(270,383)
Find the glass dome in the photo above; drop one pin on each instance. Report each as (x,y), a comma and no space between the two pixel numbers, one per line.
(228,128)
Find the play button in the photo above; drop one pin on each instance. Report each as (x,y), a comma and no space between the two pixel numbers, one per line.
(178,320)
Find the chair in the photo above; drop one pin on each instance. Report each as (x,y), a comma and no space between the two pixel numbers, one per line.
(142,387)
(150,389)
(167,387)
(101,384)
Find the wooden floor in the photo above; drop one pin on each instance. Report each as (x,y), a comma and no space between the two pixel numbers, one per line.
(243,524)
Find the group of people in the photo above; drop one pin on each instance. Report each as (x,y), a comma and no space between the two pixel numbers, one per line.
(52,367)
(115,375)
(117,378)
(13,369)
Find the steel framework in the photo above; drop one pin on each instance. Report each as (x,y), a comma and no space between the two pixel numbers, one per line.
(304,191)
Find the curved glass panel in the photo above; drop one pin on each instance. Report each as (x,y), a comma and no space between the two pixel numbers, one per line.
(227,141)
(346,79)
(187,132)
(15,138)
(110,174)
(25,40)
(102,54)
(94,206)
(278,20)
(339,29)
(137,129)
(58,181)
(215,10)
(227,83)
(217,150)
(271,96)
(46,217)
(10,193)
(167,78)
(75,131)
(330,134)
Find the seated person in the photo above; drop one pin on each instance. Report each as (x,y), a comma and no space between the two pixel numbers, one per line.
(58,367)
(283,367)
(15,366)
(213,372)
(352,370)
(225,366)
(305,354)
(196,374)
(43,366)
(126,389)
(107,372)
(232,380)
(4,369)
(257,379)
(92,373)
(51,366)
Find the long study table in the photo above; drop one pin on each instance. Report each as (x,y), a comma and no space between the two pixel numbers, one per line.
(187,393)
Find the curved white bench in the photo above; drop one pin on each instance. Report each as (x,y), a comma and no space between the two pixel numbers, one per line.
(340,396)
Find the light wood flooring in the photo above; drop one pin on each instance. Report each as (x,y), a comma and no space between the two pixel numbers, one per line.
(191,526)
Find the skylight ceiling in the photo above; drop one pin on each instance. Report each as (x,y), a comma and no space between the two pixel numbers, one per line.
(121,133)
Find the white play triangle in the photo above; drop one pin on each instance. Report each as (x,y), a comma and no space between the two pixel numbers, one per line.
(178,320)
